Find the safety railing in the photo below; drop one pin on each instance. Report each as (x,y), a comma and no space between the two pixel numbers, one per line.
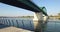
(20,23)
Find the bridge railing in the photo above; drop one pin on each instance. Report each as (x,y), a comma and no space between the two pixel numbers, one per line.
(20,23)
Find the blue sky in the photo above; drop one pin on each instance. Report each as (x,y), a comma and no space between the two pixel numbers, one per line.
(52,6)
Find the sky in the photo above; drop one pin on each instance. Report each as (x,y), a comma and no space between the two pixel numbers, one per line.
(52,6)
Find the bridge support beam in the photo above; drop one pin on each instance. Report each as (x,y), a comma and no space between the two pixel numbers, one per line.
(38,21)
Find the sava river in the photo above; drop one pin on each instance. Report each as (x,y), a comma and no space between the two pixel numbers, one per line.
(50,26)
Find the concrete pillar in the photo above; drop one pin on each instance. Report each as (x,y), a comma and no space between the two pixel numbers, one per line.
(45,19)
(38,20)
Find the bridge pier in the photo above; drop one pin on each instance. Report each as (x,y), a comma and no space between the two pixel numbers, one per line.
(45,19)
(38,21)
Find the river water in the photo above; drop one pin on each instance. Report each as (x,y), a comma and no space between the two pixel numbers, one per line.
(51,26)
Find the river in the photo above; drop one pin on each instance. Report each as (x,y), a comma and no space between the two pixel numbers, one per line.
(50,26)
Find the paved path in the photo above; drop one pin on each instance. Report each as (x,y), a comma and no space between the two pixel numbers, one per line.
(13,29)
(6,28)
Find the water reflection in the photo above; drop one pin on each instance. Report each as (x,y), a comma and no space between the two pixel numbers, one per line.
(53,26)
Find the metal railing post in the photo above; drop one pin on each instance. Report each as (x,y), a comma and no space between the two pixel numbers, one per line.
(12,22)
(23,23)
(17,23)
(9,22)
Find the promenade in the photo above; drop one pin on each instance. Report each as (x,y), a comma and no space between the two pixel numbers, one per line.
(6,28)
(13,29)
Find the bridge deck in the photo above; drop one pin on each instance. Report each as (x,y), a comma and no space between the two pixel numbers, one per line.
(26,4)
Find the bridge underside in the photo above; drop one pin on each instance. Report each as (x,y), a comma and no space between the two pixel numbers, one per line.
(25,4)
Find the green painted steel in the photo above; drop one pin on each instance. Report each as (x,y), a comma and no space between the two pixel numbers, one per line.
(29,3)
(43,9)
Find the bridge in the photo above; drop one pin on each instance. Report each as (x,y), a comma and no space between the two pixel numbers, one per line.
(31,6)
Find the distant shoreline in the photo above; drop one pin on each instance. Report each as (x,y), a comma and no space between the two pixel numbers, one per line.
(16,16)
